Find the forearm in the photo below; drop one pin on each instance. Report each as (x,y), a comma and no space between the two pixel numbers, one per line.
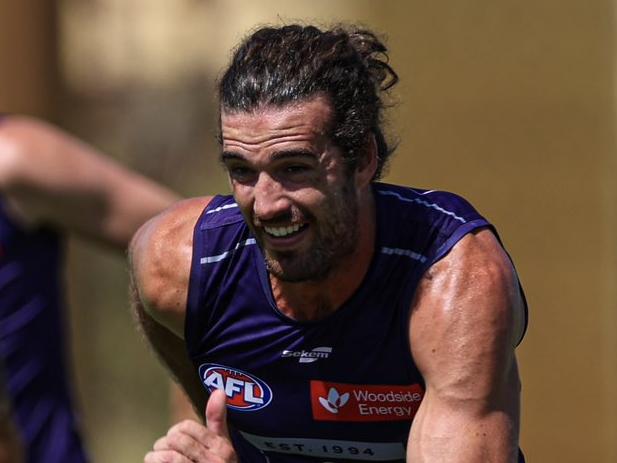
(463,434)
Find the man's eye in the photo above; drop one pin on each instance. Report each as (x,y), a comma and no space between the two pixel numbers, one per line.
(240,173)
(296,169)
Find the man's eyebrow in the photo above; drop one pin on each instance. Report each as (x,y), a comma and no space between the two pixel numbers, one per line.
(229,156)
(279,155)
(296,153)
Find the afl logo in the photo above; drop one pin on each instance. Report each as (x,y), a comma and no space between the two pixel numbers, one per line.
(244,392)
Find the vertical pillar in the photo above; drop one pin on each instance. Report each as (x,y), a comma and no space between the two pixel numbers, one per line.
(28,77)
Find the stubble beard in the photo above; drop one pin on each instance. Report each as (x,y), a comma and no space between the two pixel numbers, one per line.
(336,237)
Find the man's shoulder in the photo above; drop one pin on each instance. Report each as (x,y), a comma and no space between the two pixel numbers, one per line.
(429,222)
(177,220)
(160,255)
(477,267)
(163,237)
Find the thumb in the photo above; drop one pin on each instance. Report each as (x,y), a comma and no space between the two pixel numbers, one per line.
(216,413)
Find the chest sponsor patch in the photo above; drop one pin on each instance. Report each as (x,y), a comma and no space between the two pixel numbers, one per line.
(364,402)
(244,391)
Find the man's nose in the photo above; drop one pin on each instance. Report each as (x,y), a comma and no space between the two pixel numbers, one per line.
(270,198)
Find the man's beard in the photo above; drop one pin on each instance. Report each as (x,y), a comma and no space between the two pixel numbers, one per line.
(335,237)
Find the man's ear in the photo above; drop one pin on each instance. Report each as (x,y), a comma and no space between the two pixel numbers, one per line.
(367,164)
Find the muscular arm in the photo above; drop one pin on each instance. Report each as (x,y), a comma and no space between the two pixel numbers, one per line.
(50,177)
(466,320)
(160,258)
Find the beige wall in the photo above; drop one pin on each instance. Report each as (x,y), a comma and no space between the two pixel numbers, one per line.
(513,106)
(509,104)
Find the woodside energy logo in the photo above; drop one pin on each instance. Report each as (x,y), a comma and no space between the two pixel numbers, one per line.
(362,402)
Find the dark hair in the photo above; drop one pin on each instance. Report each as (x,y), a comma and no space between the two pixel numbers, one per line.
(281,65)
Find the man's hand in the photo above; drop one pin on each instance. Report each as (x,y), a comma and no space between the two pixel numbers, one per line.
(189,441)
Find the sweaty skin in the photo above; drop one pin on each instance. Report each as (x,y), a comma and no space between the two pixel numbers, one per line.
(465,319)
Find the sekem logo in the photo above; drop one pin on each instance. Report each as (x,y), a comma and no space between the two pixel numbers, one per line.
(245,392)
(308,356)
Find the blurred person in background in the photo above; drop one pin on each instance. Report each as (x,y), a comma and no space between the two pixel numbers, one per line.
(51,185)
(327,315)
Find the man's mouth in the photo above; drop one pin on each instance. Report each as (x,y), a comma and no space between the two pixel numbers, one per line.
(282,232)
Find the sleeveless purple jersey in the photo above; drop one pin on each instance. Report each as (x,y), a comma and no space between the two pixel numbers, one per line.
(32,343)
(344,388)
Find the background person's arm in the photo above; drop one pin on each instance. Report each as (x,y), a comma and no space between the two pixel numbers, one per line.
(49,177)
(466,320)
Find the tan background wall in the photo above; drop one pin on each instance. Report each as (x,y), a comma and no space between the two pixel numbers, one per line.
(513,106)
(510,104)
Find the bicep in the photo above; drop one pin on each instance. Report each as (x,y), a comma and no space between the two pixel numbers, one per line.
(463,330)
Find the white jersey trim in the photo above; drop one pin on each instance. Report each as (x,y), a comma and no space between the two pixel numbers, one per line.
(221,208)
(403,252)
(220,257)
(435,206)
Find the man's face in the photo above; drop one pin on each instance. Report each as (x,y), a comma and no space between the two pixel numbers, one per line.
(292,186)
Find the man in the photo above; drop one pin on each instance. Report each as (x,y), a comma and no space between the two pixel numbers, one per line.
(343,319)
(50,184)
